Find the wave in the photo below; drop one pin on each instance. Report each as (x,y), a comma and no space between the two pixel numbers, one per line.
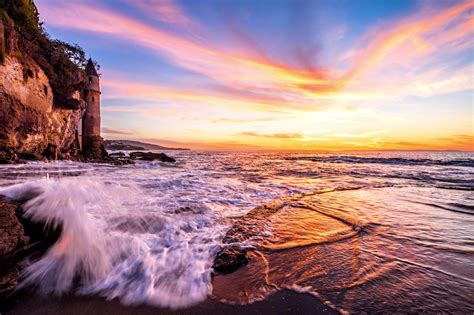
(80,250)
(118,243)
(396,161)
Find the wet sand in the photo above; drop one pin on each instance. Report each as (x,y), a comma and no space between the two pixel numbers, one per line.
(282,302)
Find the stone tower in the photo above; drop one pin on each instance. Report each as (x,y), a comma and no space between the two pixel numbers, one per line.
(92,143)
(91,118)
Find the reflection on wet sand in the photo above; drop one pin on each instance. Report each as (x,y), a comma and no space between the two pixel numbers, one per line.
(354,252)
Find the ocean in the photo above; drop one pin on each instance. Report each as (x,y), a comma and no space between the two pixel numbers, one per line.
(360,231)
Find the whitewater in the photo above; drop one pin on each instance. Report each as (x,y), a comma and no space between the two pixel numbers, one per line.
(148,233)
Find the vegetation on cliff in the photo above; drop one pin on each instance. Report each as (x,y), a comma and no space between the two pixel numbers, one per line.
(24,36)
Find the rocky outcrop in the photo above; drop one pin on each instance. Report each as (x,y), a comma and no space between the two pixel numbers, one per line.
(94,149)
(150,156)
(28,123)
(19,238)
(230,259)
(32,124)
(12,238)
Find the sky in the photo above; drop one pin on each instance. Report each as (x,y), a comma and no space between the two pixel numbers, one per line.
(279,74)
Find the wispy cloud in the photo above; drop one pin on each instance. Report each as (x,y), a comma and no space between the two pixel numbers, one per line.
(167,11)
(243,120)
(274,135)
(112,131)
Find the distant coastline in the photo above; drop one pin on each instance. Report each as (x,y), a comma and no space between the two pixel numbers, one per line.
(131,145)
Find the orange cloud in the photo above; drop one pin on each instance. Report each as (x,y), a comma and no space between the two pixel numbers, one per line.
(239,102)
(274,135)
(112,131)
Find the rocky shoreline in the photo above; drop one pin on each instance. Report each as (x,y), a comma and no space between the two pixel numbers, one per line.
(22,239)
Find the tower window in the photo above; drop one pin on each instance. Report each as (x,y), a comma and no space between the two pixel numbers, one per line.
(93,99)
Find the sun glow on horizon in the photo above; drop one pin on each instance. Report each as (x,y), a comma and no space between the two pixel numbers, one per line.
(180,73)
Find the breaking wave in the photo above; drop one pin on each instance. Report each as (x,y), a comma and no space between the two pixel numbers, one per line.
(115,245)
(395,161)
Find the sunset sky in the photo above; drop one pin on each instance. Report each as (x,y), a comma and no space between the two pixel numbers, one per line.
(270,74)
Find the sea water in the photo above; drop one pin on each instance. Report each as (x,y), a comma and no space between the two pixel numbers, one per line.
(149,232)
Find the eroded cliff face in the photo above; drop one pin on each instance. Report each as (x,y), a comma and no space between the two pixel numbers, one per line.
(31,126)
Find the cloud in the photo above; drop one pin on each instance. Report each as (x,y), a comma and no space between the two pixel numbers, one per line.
(404,42)
(242,120)
(112,131)
(122,89)
(414,43)
(411,30)
(208,146)
(274,135)
(167,11)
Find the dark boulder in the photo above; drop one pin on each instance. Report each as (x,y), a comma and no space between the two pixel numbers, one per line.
(20,238)
(117,155)
(150,156)
(12,238)
(119,158)
(122,161)
(7,156)
(230,259)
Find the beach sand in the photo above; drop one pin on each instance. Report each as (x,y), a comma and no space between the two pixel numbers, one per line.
(282,302)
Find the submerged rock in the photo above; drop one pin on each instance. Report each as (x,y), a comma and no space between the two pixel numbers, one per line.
(150,156)
(230,259)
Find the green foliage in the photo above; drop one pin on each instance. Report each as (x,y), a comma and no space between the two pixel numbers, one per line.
(24,13)
(74,52)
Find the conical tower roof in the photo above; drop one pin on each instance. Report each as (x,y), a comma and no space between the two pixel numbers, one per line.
(90,68)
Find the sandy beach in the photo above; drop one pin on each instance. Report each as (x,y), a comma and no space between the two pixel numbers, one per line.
(283,302)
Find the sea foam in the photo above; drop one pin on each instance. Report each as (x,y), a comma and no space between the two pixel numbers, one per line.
(118,243)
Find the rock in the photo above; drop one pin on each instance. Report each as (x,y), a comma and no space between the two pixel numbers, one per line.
(7,156)
(94,150)
(12,238)
(19,238)
(29,124)
(189,210)
(117,155)
(122,161)
(119,158)
(32,157)
(230,259)
(150,156)
(36,78)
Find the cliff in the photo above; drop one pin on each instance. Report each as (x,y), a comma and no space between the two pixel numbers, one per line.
(42,85)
